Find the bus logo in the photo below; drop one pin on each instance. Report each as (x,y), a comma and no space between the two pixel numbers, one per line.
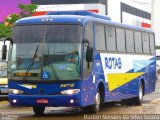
(66,85)
(113,63)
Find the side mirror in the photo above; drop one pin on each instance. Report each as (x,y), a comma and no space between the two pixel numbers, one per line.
(89,54)
(4,52)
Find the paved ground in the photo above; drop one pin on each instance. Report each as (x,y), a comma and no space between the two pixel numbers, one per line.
(151,106)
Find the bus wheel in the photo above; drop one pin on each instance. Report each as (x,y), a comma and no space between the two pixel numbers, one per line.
(96,106)
(138,100)
(39,110)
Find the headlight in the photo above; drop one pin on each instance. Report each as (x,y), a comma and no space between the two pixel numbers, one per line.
(70,91)
(15,91)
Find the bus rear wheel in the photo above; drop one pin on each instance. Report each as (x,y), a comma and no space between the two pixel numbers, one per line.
(38,110)
(136,100)
(139,98)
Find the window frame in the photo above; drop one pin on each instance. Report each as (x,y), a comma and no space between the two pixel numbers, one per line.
(105,42)
(131,30)
(137,52)
(143,37)
(114,28)
(124,39)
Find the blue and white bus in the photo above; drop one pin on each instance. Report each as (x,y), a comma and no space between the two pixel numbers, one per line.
(78,59)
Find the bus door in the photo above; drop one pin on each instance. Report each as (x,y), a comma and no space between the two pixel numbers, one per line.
(87,73)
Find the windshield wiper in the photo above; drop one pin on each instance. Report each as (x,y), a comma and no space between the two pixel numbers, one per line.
(54,72)
(30,65)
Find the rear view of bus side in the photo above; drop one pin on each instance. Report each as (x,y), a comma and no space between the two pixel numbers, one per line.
(79,59)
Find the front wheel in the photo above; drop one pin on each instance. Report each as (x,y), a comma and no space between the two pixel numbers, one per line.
(96,106)
(39,110)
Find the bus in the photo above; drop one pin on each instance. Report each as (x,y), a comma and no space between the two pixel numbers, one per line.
(78,59)
(3,80)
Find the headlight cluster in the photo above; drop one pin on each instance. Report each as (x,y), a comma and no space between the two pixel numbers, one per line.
(70,91)
(15,91)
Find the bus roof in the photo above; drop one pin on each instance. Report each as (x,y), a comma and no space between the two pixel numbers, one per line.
(81,13)
(75,17)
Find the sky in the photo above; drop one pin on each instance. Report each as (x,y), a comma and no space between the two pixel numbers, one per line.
(8,7)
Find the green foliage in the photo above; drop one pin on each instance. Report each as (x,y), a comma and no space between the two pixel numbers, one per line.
(12,19)
(27,10)
(5,31)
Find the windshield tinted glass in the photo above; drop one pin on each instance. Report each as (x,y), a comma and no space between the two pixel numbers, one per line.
(50,52)
(62,60)
(54,34)
(63,34)
(28,34)
(22,59)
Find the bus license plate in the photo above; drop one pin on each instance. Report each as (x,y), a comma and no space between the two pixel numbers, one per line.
(42,101)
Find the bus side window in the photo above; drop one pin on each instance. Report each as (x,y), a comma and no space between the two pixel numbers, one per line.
(110,38)
(89,37)
(138,42)
(145,38)
(100,37)
(152,44)
(129,41)
(120,40)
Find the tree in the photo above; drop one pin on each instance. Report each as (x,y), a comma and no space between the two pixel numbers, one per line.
(11,19)
(27,10)
(5,31)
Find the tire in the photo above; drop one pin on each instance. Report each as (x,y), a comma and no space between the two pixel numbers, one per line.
(138,100)
(39,111)
(96,106)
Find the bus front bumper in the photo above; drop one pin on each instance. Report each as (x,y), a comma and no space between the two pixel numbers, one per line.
(45,100)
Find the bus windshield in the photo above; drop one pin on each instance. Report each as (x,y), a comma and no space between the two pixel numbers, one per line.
(46,52)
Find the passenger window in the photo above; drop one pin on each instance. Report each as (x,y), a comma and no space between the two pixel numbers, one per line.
(130,41)
(100,38)
(145,38)
(138,42)
(110,38)
(152,44)
(120,40)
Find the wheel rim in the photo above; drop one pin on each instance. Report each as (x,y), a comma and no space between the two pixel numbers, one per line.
(97,102)
(141,92)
